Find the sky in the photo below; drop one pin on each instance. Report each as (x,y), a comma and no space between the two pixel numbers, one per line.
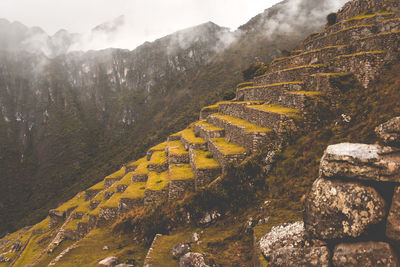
(147,19)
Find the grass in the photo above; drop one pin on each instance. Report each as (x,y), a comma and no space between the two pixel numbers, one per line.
(42,226)
(73,203)
(73,225)
(290,112)
(379,34)
(157,181)
(98,197)
(158,158)
(271,85)
(306,93)
(136,163)
(294,68)
(112,202)
(393,19)
(227,148)
(306,52)
(98,186)
(361,17)
(335,74)
(363,53)
(90,251)
(189,136)
(180,172)
(135,190)
(159,147)
(207,126)
(244,84)
(204,160)
(178,134)
(248,126)
(84,208)
(142,169)
(117,174)
(176,148)
(214,107)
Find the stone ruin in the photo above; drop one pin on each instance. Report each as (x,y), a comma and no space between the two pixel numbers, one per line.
(351,215)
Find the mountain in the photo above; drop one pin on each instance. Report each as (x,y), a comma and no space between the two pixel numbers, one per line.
(67,121)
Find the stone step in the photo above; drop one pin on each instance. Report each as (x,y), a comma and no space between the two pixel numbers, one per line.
(317,56)
(132,197)
(62,212)
(270,92)
(174,137)
(122,184)
(363,19)
(156,188)
(108,210)
(176,152)
(94,190)
(94,203)
(112,178)
(204,166)
(289,75)
(225,152)
(207,131)
(158,162)
(181,180)
(241,132)
(131,166)
(190,140)
(140,174)
(381,41)
(159,147)
(206,111)
(365,65)
(342,37)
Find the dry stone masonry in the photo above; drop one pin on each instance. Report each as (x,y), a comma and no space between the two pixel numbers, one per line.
(347,220)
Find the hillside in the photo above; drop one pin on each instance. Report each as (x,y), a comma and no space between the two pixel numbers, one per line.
(218,186)
(66,122)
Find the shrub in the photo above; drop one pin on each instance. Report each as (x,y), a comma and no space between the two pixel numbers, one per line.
(331,19)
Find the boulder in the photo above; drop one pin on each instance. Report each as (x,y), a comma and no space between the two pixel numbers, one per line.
(389,132)
(209,217)
(292,235)
(109,261)
(180,250)
(364,254)
(337,209)
(311,256)
(195,237)
(393,220)
(192,259)
(361,162)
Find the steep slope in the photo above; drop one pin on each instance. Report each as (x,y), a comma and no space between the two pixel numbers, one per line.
(323,92)
(67,122)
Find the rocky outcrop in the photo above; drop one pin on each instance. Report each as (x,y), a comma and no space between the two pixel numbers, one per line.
(364,254)
(362,162)
(393,220)
(192,259)
(337,209)
(389,132)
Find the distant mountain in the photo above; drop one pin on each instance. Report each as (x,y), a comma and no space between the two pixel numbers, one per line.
(68,119)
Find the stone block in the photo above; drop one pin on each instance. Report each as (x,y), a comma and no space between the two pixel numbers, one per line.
(393,220)
(389,132)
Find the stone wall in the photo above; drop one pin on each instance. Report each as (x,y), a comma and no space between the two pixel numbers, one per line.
(91,193)
(178,188)
(268,93)
(139,177)
(356,7)
(154,197)
(108,182)
(206,134)
(127,204)
(222,159)
(205,176)
(56,217)
(107,214)
(158,167)
(178,158)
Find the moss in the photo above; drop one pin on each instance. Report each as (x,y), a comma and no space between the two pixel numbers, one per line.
(204,160)
(117,174)
(189,136)
(73,203)
(98,186)
(157,181)
(362,53)
(227,148)
(90,250)
(180,172)
(136,163)
(278,109)
(176,148)
(135,190)
(158,158)
(248,126)
(142,169)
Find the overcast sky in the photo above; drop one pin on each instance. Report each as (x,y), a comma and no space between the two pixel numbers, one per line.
(149,19)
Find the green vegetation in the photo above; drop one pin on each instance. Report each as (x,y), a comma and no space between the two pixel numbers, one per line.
(142,169)
(176,148)
(157,181)
(178,134)
(158,158)
(204,160)
(117,174)
(271,85)
(135,164)
(363,53)
(159,147)
(245,84)
(253,70)
(73,203)
(98,186)
(112,202)
(189,136)
(83,208)
(135,190)
(180,172)
(207,126)
(331,19)
(306,93)
(248,126)
(126,180)
(227,148)
(297,68)
(42,226)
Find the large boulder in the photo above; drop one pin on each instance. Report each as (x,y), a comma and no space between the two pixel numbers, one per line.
(389,132)
(311,256)
(364,254)
(192,259)
(362,162)
(337,209)
(393,220)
